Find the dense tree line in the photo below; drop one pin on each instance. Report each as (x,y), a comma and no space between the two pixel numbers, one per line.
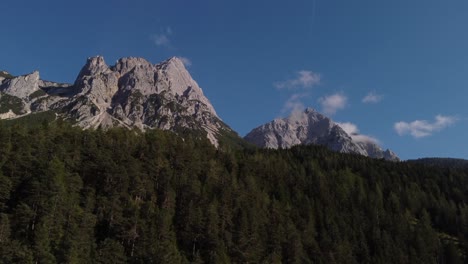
(120,196)
(443,162)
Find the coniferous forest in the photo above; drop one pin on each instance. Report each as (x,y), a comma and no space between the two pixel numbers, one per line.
(120,196)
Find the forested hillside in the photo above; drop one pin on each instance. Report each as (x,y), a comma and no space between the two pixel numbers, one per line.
(443,162)
(120,196)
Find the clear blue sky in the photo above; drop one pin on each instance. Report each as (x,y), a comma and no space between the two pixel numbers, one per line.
(259,60)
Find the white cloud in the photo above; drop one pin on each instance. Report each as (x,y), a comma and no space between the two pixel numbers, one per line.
(352,130)
(304,79)
(372,98)
(423,128)
(162,39)
(186,61)
(294,104)
(332,103)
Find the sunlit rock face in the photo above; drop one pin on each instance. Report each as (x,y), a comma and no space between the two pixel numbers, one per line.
(311,127)
(131,93)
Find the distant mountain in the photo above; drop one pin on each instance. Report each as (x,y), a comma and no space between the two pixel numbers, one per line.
(311,127)
(132,93)
(442,162)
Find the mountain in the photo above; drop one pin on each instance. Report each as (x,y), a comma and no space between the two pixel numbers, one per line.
(311,127)
(133,93)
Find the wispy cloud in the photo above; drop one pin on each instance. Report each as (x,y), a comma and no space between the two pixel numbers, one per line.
(372,98)
(423,128)
(294,103)
(186,61)
(304,79)
(353,131)
(163,38)
(332,103)
(300,85)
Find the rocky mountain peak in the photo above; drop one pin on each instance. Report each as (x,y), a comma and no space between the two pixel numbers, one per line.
(133,93)
(173,60)
(124,65)
(94,65)
(309,110)
(97,81)
(34,76)
(21,86)
(180,82)
(311,127)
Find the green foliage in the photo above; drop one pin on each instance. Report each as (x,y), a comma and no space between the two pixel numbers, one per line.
(230,139)
(120,196)
(443,162)
(110,252)
(6,75)
(37,94)
(9,102)
(31,120)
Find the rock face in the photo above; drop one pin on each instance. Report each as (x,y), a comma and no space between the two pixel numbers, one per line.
(21,86)
(132,93)
(311,127)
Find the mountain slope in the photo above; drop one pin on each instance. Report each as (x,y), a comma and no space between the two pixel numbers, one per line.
(311,127)
(73,196)
(132,93)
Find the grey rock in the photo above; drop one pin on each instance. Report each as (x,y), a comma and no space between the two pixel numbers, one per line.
(311,127)
(375,151)
(136,93)
(57,89)
(94,66)
(131,93)
(21,86)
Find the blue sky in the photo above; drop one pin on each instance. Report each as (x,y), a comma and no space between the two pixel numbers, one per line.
(259,60)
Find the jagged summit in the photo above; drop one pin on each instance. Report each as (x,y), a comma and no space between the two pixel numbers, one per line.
(21,86)
(131,71)
(181,82)
(124,65)
(310,110)
(311,127)
(93,66)
(131,93)
(135,93)
(173,59)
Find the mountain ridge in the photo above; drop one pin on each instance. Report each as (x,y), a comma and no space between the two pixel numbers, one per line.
(311,127)
(131,93)
(134,93)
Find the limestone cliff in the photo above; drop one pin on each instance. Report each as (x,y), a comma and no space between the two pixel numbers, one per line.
(311,127)
(131,93)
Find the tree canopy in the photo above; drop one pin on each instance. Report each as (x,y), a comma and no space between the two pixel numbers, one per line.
(122,196)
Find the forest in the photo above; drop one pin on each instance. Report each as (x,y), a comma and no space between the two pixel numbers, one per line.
(123,196)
